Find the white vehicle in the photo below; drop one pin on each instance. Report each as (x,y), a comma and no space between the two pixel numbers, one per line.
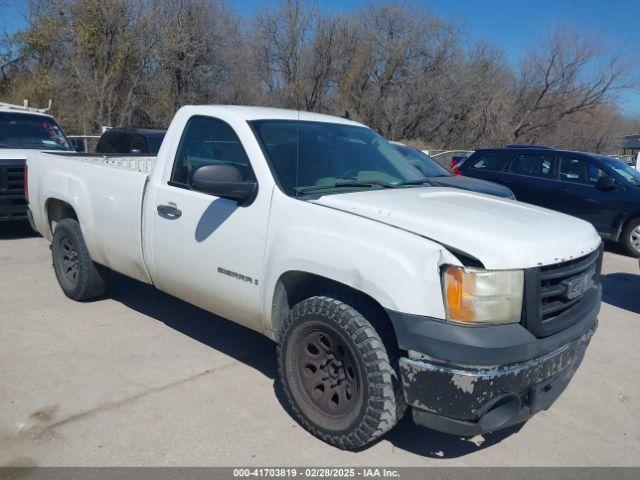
(380,291)
(22,130)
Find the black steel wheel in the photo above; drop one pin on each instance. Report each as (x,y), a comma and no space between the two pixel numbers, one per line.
(79,277)
(69,260)
(336,373)
(328,372)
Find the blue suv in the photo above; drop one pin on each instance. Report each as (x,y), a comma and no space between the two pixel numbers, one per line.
(599,189)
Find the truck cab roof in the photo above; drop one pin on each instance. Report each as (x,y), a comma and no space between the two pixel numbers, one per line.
(250,113)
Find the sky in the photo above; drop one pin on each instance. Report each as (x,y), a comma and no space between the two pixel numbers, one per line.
(513,25)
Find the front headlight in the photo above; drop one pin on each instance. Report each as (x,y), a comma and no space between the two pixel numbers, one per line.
(483,296)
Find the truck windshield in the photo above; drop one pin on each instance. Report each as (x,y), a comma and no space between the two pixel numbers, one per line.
(423,162)
(22,130)
(327,158)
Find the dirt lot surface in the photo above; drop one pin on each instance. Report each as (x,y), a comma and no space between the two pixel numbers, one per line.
(141,378)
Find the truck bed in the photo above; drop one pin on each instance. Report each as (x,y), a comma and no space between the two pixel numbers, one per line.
(139,163)
(106,192)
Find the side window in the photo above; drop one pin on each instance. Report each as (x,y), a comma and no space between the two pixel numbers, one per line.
(578,170)
(490,162)
(533,165)
(209,141)
(596,174)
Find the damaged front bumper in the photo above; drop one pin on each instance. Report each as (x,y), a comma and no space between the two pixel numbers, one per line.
(468,401)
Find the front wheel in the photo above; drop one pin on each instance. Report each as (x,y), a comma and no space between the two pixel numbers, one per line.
(336,373)
(79,277)
(630,239)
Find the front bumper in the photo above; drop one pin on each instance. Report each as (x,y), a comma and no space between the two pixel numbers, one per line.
(468,401)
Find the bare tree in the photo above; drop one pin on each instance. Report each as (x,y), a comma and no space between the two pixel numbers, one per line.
(200,56)
(394,65)
(569,75)
(282,34)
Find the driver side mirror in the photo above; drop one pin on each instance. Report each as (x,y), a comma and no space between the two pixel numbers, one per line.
(223,181)
(606,184)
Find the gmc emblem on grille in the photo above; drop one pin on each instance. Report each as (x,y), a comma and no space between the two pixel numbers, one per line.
(578,285)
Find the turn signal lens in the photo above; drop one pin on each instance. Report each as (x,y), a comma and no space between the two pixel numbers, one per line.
(483,296)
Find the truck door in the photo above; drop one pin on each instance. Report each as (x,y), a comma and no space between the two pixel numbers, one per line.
(576,194)
(209,250)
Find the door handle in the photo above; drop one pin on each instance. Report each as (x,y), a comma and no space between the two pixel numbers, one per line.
(169,211)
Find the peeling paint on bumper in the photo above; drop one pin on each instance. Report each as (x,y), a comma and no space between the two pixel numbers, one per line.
(458,400)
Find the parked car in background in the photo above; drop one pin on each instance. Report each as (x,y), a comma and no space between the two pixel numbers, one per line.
(23,130)
(380,290)
(130,140)
(600,189)
(455,160)
(441,177)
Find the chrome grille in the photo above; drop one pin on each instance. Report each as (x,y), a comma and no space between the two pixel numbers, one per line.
(555,279)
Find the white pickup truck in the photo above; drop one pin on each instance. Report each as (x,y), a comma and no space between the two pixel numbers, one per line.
(380,290)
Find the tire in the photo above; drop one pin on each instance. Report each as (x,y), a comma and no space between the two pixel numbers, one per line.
(630,239)
(337,374)
(79,277)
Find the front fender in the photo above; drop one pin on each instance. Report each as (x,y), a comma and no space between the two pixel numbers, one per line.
(399,269)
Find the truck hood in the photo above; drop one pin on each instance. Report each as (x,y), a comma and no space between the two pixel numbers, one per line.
(472,184)
(501,233)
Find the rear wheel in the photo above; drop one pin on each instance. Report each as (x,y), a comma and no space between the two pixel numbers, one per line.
(336,373)
(79,277)
(631,238)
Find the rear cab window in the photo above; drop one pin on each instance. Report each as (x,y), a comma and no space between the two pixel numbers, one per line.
(103,144)
(139,144)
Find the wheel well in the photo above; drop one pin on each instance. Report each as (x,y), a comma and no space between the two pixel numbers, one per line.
(58,210)
(295,286)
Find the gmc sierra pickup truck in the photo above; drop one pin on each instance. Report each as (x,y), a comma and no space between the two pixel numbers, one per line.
(382,292)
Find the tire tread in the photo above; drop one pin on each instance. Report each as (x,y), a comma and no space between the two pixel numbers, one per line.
(92,282)
(386,401)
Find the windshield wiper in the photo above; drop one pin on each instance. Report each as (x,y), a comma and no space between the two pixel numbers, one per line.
(369,184)
(414,182)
